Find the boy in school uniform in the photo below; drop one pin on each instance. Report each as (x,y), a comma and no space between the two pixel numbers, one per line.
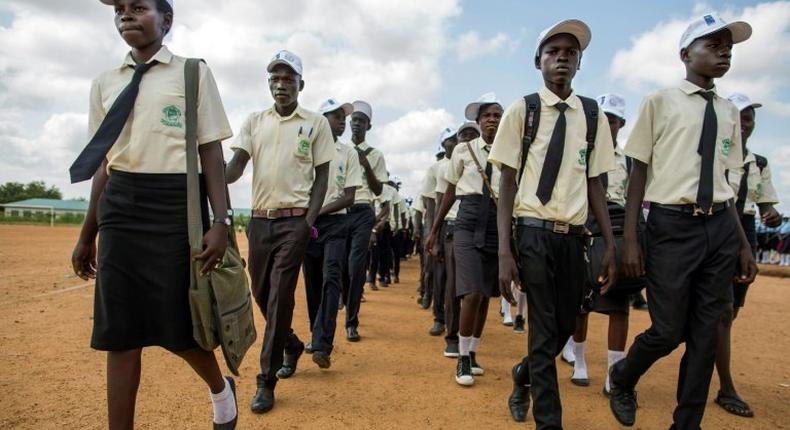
(381,236)
(752,186)
(290,148)
(558,180)
(683,140)
(428,198)
(326,253)
(361,217)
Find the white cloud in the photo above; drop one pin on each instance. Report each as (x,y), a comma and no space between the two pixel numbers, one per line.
(470,46)
(760,65)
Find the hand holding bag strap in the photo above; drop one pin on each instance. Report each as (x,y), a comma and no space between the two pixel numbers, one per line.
(482,173)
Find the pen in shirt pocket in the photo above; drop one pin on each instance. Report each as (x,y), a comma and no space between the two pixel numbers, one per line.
(300,131)
(310,133)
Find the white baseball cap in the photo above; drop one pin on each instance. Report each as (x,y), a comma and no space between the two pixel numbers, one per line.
(446,134)
(331,105)
(468,124)
(742,101)
(363,107)
(711,23)
(574,27)
(612,103)
(288,58)
(112,2)
(472,109)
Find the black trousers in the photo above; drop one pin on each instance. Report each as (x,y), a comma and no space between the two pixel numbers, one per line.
(323,275)
(452,304)
(276,250)
(381,256)
(439,277)
(360,222)
(553,272)
(690,263)
(397,246)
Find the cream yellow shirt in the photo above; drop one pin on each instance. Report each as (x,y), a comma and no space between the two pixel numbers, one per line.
(344,172)
(285,152)
(379,166)
(569,198)
(441,187)
(463,171)
(153,139)
(428,189)
(618,179)
(760,186)
(397,208)
(666,136)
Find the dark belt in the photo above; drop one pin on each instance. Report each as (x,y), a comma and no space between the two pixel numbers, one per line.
(278,213)
(359,207)
(449,222)
(556,227)
(692,209)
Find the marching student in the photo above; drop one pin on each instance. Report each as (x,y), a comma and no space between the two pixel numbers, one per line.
(613,304)
(557,180)
(471,181)
(428,198)
(291,149)
(326,253)
(683,140)
(381,237)
(521,310)
(361,217)
(397,226)
(137,158)
(752,186)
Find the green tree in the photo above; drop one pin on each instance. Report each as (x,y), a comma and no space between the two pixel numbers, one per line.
(16,191)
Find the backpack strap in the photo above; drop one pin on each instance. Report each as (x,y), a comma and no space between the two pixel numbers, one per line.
(761,162)
(591,115)
(368,151)
(531,122)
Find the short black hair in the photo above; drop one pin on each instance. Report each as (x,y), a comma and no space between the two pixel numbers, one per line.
(163,6)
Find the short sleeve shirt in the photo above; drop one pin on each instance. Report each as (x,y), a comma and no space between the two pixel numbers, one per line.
(760,186)
(569,198)
(344,172)
(617,179)
(463,172)
(428,186)
(379,166)
(154,137)
(666,137)
(441,187)
(285,152)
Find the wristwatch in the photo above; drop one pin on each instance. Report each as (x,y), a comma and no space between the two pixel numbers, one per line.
(227,221)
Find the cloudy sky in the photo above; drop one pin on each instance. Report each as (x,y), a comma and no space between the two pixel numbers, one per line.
(417,62)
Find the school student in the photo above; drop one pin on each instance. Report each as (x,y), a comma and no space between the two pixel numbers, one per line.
(361,217)
(558,177)
(428,198)
(326,252)
(137,158)
(683,140)
(291,149)
(615,305)
(471,180)
(752,186)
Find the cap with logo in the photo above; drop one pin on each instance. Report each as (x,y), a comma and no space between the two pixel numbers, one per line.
(473,109)
(742,101)
(447,133)
(112,2)
(612,103)
(711,23)
(287,58)
(363,107)
(574,27)
(467,125)
(331,105)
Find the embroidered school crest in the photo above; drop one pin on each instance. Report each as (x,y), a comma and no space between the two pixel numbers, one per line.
(304,147)
(582,157)
(171,116)
(726,144)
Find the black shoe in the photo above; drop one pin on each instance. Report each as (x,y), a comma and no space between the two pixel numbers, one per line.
(308,348)
(322,359)
(396,279)
(372,286)
(352,335)
(263,401)
(232,424)
(477,370)
(519,326)
(451,350)
(518,402)
(639,302)
(622,401)
(289,364)
(463,371)
(384,284)
(437,329)
(426,302)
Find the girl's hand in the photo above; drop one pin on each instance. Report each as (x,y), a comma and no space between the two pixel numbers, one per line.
(83,260)
(215,241)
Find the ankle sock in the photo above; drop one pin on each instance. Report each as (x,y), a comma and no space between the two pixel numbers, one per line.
(224,405)
(473,342)
(567,350)
(463,344)
(579,365)
(614,357)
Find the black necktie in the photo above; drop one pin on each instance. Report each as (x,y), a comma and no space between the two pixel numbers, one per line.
(707,149)
(482,214)
(551,165)
(91,157)
(740,205)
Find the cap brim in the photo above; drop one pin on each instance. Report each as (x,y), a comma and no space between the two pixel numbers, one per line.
(107,2)
(613,112)
(471,111)
(741,31)
(276,63)
(574,27)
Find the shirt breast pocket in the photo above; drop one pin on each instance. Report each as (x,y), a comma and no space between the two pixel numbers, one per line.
(168,116)
(724,136)
(303,148)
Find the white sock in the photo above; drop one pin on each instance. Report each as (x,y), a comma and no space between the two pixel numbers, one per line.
(507,317)
(463,344)
(473,342)
(579,365)
(224,405)
(614,357)
(567,350)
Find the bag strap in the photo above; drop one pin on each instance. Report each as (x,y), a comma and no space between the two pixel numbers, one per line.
(591,115)
(531,122)
(482,173)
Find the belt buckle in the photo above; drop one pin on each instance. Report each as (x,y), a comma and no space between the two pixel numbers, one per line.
(699,212)
(270,212)
(561,227)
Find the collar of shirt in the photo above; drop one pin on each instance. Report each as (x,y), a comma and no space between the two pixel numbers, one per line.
(299,111)
(363,146)
(163,56)
(689,88)
(749,158)
(550,99)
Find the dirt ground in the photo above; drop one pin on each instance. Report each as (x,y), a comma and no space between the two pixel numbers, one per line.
(395,377)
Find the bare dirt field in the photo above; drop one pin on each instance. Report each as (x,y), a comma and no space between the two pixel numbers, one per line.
(396,377)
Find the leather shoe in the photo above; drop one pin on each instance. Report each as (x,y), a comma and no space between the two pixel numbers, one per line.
(426,302)
(352,335)
(518,402)
(437,329)
(263,401)
(322,359)
(289,364)
(622,400)
(232,424)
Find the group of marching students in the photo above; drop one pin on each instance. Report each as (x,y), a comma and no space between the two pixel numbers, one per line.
(515,206)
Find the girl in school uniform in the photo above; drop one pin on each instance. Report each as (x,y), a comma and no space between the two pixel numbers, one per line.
(138,208)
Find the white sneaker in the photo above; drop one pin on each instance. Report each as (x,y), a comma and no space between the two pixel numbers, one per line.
(476,369)
(463,372)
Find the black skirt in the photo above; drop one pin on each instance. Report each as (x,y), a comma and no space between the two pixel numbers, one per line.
(142,279)
(476,264)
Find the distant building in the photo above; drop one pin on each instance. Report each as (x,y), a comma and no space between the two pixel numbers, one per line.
(30,207)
